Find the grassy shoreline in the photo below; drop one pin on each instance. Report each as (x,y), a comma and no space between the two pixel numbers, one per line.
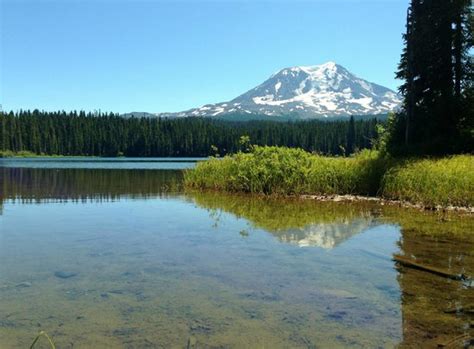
(28,154)
(429,183)
(20,154)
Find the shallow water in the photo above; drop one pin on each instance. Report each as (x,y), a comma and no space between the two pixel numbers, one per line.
(124,258)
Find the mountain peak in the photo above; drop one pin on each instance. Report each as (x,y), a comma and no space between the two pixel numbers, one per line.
(325,66)
(328,66)
(323,90)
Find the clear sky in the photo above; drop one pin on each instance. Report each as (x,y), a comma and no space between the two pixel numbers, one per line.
(156,56)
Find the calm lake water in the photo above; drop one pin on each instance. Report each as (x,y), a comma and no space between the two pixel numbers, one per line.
(114,254)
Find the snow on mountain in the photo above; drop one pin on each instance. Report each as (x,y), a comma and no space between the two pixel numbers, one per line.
(325,235)
(324,90)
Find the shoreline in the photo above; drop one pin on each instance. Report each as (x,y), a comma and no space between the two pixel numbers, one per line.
(435,184)
(383,202)
(349,198)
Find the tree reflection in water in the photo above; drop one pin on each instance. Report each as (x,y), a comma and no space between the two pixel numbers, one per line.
(436,311)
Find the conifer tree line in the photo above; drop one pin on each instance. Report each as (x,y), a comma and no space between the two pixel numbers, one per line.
(437,69)
(81,133)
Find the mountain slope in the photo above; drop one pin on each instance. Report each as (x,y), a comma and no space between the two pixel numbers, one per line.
(325,90)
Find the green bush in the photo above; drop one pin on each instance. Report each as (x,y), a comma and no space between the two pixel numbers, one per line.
(289,171)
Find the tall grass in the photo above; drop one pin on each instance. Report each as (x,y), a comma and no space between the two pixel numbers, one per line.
(287,171)
(432,182)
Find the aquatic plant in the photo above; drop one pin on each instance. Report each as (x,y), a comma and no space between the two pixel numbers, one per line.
(43,334)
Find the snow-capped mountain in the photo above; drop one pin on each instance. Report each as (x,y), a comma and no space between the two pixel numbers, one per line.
(308,91)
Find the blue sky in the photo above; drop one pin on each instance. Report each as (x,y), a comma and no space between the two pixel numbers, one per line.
(157,56)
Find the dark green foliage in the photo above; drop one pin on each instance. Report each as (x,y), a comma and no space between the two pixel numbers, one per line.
(61,133)
(350,147)
(438,82)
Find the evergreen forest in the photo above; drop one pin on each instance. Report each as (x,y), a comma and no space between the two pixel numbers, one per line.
(88,134)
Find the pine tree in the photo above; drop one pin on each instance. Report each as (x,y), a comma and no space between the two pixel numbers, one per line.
(351,134)
(437,74)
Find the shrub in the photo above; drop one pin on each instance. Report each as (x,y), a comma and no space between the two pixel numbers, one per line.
(288,171)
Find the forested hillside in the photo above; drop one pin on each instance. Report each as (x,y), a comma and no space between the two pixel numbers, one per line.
(80,133)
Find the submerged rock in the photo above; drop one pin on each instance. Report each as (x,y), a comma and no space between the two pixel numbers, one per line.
(337,315)
(201,327)
(469,283)
(65,274)
(125,332)
(23,284)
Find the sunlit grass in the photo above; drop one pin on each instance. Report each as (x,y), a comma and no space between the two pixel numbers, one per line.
(21,154)
(447,181)
(279,170)
(287,171)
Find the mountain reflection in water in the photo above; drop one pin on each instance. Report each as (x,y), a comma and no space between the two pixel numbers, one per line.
(325,235)
(436,311)
(224,289)
(304,223)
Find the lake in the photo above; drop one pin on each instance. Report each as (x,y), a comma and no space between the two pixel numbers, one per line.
(107,253)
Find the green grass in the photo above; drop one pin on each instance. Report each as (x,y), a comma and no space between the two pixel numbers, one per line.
(29,154)
(446,181)
(287,171)
(20,154)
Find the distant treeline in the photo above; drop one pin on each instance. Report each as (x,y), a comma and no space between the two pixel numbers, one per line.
(80,133)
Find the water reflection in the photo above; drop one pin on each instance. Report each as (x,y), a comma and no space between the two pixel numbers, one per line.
(325,235)
(436,311)
(158,267)
(78,184)
(299,222)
